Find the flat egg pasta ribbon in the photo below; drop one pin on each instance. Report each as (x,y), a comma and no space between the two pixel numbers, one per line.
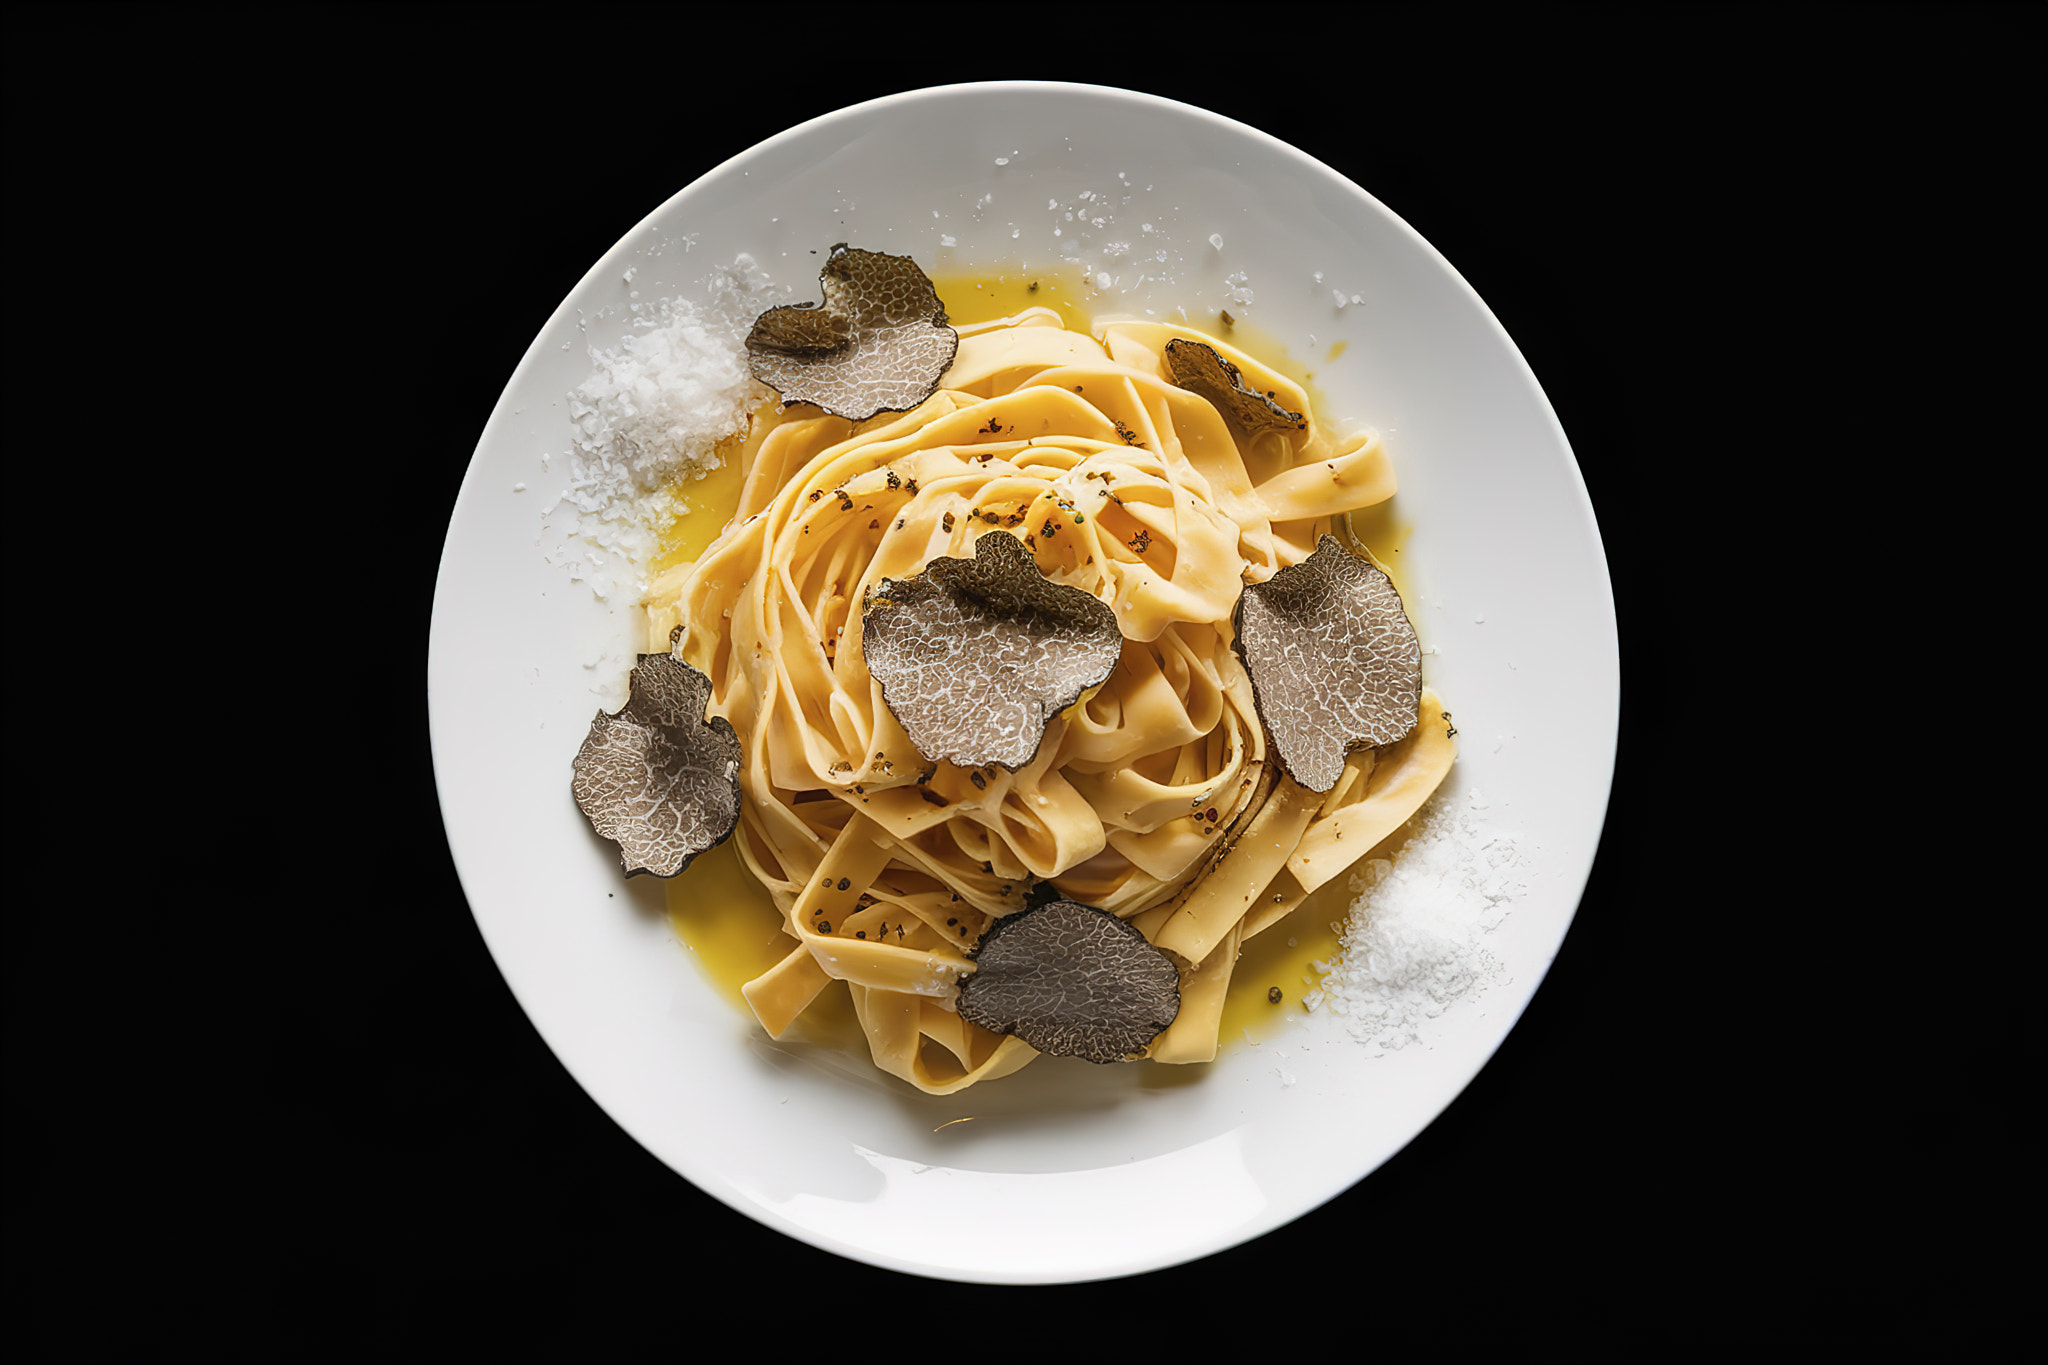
(1152,797)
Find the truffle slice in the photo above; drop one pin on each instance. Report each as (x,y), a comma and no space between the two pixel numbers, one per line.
(1202,372)
(1072,981)
(657,779)
(878,344)
(1334,662)
(976,656)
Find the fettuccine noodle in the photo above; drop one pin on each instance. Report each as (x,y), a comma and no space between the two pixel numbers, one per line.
(1153,797)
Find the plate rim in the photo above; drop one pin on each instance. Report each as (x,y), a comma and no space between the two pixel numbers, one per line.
(471,488)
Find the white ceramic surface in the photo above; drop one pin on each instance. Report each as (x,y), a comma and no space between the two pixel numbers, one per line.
(1066,1171)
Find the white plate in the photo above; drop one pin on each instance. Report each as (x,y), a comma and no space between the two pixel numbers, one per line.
(1067,1171)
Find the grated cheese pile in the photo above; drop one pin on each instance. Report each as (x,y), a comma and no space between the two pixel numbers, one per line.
(652,413)
(1412,946)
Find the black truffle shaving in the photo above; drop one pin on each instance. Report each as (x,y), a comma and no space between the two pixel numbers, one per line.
(976,656)
(879,343)
(657,779)
(1333,659)
(1204,373)
(1072,981)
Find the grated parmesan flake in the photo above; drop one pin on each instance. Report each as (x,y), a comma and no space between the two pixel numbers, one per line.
(651,415)
(1414,943)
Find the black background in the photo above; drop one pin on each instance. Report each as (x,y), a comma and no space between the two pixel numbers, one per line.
(266,1094)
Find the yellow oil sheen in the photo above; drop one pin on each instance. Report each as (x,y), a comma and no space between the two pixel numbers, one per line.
(1066,289)
(1249,1012)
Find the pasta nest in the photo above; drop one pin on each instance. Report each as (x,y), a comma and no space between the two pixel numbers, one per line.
(886,867)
